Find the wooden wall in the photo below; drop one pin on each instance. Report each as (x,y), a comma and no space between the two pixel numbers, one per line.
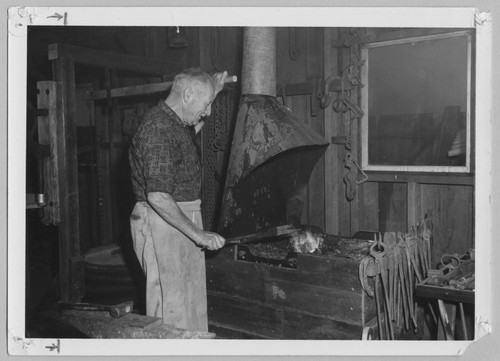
(387,201)
(391,201)
(452,208)
(105,127)
(305,56)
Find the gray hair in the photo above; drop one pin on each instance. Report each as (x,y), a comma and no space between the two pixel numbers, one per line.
(191,76)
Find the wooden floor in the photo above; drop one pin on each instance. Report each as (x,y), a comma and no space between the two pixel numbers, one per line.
(94,324)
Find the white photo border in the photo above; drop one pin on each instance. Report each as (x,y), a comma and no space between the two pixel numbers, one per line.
(21,17)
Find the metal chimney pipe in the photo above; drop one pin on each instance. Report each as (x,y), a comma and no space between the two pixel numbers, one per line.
(259,66)
(272,153)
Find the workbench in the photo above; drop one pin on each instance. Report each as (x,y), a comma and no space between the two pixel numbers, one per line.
(448,299)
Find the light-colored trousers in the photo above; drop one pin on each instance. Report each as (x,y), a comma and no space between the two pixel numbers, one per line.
(174,267)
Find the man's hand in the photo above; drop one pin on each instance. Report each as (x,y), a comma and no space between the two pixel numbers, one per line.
(211,241)
(219,79)
(167,208)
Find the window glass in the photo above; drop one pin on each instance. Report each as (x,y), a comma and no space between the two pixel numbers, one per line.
(418,103)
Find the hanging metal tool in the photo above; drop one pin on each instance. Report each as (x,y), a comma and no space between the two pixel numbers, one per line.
(352,70)
(378,252)
(351,177)
(324,92)
(338,105)
(344,103)
(356,112)
(395,264)
(115,311)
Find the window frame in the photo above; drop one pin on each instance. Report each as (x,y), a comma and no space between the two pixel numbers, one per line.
(365,48)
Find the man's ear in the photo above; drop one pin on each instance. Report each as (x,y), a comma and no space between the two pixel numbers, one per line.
(187,94)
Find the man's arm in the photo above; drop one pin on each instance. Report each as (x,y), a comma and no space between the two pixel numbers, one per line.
(167,208)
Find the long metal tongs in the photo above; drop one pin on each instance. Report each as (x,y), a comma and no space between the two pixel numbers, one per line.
(267,235)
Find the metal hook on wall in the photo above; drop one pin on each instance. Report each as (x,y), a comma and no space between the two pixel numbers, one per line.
(324,94)
(350,178)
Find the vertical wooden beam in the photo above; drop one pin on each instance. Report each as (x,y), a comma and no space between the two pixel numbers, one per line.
(354,131)
(47,135)
(344,122)
(110,153)
(106,154)
(90,225)
(115,154)
(71,283)
(332,165)
(313,48)
(369,210)
(414,204)
(370,202)
(103,176)
(414,214)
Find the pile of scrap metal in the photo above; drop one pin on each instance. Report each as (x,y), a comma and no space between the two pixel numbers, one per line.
(452,282)
(455,271)
(397,262)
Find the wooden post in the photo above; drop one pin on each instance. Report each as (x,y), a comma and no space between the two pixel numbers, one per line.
(413,204)
(71,275)
(116,156)
(353,130)
(103,178)
(332,165)
(345,208)
(368,214)
(314,69)
(48,135)
(112,120)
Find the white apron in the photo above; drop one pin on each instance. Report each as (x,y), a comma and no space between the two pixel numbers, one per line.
(174,267)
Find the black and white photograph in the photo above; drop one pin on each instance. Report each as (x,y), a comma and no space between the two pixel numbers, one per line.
(251,181)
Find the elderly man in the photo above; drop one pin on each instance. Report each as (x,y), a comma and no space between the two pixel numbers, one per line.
(166,221)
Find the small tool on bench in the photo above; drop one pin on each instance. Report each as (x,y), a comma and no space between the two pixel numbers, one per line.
(115,311)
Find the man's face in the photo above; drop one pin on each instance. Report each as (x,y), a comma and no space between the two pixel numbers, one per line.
(199,104)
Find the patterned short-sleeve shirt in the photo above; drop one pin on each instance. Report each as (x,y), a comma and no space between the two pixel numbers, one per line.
(164,158)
